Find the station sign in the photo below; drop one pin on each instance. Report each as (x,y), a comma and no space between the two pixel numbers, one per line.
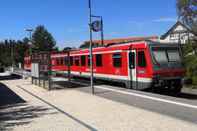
(43,59)
(96,26)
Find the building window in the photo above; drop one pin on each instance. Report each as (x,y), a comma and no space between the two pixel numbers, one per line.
(141,59)
(99,62)
(71,61)
(83,60)
(172,36)
(77,60)
(117,60)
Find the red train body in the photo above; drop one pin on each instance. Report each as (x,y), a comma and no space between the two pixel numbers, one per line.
(139,65)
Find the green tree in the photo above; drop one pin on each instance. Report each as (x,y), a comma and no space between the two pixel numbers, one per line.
(86,44)
(12,51)
(67,49)
(190,61)
(187,12)
(21,49)
(42,39)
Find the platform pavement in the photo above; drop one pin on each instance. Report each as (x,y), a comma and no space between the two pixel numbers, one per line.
(71,109)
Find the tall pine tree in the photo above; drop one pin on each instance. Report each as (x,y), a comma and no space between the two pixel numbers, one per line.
(42,40)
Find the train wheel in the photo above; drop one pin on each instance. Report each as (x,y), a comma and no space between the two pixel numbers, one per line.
(177,90)
(177,87)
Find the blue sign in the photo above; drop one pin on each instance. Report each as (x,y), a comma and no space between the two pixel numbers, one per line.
(96,26)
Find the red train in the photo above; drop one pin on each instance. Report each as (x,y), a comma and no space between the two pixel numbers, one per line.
(139,65)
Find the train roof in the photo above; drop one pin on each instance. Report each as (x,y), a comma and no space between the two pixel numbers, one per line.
(120,46)
(126,46)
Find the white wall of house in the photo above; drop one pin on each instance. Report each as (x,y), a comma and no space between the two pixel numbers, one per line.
(179,33)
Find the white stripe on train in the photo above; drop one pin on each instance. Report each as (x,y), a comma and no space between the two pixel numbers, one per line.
(140,79)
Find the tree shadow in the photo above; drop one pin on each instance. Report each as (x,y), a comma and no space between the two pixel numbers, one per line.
(11,77)
(58,85)
(20,114)
(14,111)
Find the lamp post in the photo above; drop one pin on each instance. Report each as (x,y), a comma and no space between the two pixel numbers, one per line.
(96,26)
(12,55)
(29,30)
(90,48)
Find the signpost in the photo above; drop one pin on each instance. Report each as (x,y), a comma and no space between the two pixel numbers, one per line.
(91,56)
(96,26)
(41,68)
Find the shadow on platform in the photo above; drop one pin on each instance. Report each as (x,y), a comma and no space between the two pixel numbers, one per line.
(11,77)
(14,111)
(8,97)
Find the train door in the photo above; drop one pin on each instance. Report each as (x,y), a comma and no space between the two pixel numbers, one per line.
(132,69)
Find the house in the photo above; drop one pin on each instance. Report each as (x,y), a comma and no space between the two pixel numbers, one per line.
(177,33)
(98,43)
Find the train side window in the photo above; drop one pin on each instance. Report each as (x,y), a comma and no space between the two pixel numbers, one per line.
(61,61)
(141,59)
(77,60)
(117,60)
(83,60)
(66,60)
(57,61)
(71,61)
(99,62)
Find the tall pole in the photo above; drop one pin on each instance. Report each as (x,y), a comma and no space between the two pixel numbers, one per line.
(12,55)
(30,44)
(90,49)
(30,40)
(102,35)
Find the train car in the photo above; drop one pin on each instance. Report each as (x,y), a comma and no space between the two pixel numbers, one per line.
(139,65)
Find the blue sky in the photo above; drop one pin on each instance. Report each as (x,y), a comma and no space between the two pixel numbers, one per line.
(67,19)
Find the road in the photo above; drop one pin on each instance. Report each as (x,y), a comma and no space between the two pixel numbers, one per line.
(182,106)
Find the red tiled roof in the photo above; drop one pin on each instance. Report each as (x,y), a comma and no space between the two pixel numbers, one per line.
(120,40)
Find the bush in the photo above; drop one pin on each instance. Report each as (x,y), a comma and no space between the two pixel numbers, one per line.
(190,61)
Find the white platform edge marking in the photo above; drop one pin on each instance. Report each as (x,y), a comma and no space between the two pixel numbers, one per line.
(144,96)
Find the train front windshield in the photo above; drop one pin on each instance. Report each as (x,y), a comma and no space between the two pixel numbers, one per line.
(166,57)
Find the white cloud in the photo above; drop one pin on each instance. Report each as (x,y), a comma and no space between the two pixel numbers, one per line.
(77,30)
(114,33)
(73,30)
(165,19)
(69,43)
